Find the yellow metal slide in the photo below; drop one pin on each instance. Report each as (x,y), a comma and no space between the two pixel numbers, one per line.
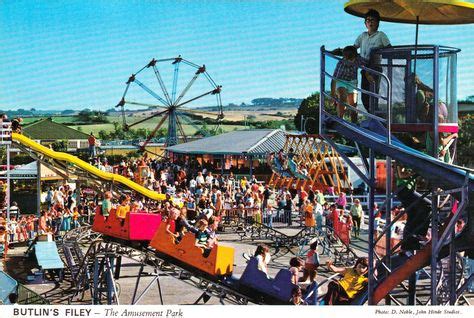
(27,142)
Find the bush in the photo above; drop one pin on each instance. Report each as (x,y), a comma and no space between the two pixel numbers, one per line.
(465,145)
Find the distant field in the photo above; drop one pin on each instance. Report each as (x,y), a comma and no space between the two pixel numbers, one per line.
(263,115)
(233,115)
(259,115)
(188,129)
(58,119)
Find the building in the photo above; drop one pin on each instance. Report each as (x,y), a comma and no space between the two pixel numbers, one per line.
(46,131)
(466,108)
(242,151)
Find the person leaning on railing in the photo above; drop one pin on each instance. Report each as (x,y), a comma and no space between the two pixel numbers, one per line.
(344,84)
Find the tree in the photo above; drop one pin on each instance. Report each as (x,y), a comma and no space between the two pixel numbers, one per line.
(92,117)
(103,135)
(309,108)
(84,115)
(68,112)
(465,144)
(59,145)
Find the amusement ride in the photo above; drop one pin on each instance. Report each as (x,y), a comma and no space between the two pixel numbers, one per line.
(440,192)
(191,88)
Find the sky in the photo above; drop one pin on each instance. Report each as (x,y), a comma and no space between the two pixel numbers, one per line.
(75,54)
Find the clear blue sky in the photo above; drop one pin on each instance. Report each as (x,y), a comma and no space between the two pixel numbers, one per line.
(77,54)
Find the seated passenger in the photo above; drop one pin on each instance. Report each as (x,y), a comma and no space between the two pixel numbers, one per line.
(182,225)
(311,292)
(124,208)
(296,297)
(107,204)
(344,290)
(171,224)
(262,254)
(296,264)
(211,230)
(202,237)
(135,207)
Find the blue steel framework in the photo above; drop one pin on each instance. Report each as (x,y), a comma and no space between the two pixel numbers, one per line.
(460,185)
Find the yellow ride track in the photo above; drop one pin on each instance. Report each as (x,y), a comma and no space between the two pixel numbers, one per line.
(27,142)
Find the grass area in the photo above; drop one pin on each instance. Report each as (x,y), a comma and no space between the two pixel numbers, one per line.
(256,116)
(259,115)
(58,119)
(188,129)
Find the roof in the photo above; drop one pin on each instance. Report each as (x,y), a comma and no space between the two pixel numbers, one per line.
(47,129)
(30,171)
(256,141)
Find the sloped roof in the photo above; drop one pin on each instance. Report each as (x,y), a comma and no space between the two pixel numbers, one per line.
(29,171)
(257,142)
(47,129)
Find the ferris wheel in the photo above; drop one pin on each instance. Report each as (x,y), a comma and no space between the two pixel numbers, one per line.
(178,92)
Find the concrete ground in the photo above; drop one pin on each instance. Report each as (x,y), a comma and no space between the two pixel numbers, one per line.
(174,291)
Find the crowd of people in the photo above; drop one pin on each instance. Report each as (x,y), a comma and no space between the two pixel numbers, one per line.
(202,195)
(226,197)
(208,199)
(64,209)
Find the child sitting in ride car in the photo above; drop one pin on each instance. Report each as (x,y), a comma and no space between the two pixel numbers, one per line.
(202,237)
(296,265)
(211,230)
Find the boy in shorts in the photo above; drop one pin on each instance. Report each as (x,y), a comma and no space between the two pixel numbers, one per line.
(344,84)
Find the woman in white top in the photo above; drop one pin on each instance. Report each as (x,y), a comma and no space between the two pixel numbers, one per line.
(262,254)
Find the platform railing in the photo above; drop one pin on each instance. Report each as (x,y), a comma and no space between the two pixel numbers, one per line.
(388,120)
(5,133)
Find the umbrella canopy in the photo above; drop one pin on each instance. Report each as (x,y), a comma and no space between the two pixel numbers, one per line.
(416,11)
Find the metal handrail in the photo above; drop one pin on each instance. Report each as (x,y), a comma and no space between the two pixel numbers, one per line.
(388,98)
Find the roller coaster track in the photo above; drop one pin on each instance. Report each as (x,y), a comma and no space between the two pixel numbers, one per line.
(97,269)
(330,243)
